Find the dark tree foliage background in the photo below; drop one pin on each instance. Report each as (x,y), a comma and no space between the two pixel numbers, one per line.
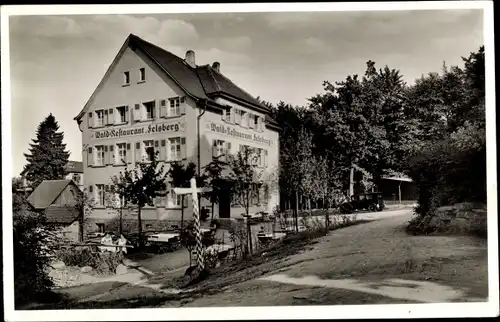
(47,157)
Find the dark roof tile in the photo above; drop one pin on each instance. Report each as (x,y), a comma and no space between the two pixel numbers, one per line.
(61,215)
(46,192)
(74,167)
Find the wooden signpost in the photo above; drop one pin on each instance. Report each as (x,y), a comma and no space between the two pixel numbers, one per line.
(194,191)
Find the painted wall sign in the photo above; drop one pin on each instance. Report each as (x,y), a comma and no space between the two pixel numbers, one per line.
(142,130)
(232,131)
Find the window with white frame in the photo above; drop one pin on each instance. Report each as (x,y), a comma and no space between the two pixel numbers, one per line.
(237,116)
(174,108)
(126,78)
(121,153)
(99,120)
(99,194)
(99,155)
(228,115)
(121,114)
(244,119)
(149,109)
(218,148)
(142,75)
(175,200)
(175,149)
(149,150)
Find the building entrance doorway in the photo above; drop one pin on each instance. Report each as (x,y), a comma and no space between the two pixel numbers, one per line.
(224,206)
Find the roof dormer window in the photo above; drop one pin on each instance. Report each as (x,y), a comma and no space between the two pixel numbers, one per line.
(126,78)
(142,75)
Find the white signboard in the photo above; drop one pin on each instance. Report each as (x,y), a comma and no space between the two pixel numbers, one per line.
(237,133)
(139,130)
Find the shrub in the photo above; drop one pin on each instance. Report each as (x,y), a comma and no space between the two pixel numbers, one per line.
(448,172)
(31,263)
(101,262)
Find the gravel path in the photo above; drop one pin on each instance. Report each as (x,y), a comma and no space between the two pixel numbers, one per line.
(372,256)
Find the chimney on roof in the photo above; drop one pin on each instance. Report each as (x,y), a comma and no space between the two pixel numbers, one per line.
(216,66)
(190,58)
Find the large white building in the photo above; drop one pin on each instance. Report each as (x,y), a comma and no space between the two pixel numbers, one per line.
(151,100)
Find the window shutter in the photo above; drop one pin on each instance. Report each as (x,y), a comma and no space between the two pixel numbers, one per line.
(106,119)
(138,153)
(154,110)
(90,157)
(231,119)
(183,105)
(224,115)
(111,116)
(112,155)
(91,189)
(106,155)
(90,120)
(265,158)
(261,124)
(228,151)
(129,154)
(163,108)
(214,148)
(183,149)
(157,148)
(251,121)
(127,116)
(137,113)
(163,150)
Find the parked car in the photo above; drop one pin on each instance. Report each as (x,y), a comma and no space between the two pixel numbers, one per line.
(371,201)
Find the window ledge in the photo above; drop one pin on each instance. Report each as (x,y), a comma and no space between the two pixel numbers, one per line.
(125,85)
(120,165)
(98,126)
(98,166)
(141,82)
(172,116)
(99,207)
(120,123)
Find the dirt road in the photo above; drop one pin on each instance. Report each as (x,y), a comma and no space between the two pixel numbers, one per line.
(373,263)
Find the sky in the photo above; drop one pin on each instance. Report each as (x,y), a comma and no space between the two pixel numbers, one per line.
(58,61)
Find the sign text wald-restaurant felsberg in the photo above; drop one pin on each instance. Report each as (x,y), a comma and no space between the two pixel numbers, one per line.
(143,130)
(231,131)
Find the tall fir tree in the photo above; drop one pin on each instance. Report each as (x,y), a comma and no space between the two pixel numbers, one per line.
(48,156)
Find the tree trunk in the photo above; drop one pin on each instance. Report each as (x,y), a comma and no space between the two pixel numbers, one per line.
(120,227)
(296,212)
(248,223)
(140,226)
(351,182)
(182,214)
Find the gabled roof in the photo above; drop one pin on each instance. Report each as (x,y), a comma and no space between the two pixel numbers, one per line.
(46,192)
(202,82)
(61,215)
(74,167)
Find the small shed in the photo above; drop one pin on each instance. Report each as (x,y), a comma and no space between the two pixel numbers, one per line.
(57,199)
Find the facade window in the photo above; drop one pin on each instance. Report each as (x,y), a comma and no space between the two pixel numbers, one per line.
(99,194)
(228,115)
(244,119)
(100,228)
(174,107)
(142,74)
(175,149)
(126,78)
(255,120)
(176,200)
(259,157)
(218,148)
(99,155)
(99,120)
(149,110)
(121,114)
(237,116)
(149,150)
(121,153)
